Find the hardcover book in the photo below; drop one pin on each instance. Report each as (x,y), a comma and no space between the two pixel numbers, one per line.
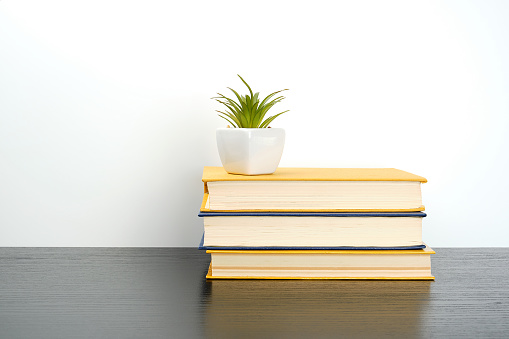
(314,264)
(313,190)
(304,230)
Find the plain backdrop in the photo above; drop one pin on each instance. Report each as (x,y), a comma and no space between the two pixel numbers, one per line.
(106,119)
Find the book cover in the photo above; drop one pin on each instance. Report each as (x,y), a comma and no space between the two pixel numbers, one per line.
(314,174)
(300,248)
(312,214)
(424,251)
(210,276)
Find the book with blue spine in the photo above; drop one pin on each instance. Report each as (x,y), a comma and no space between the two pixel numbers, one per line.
(306,230)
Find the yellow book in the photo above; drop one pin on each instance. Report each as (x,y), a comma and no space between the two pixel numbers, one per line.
(313,190)
(320,264)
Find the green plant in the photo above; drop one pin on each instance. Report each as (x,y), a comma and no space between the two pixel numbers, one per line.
(248,112)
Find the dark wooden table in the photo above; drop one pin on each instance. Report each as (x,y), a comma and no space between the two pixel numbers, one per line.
(162,293)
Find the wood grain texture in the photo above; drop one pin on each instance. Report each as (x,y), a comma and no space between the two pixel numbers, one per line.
(162,293)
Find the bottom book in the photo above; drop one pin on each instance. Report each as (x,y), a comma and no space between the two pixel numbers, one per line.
(320,264)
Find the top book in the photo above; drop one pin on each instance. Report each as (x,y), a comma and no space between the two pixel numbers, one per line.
(313,190)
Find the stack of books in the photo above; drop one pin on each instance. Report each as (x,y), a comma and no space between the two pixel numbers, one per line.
(315,223)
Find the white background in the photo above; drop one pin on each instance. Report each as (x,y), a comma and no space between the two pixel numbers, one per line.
(106,120)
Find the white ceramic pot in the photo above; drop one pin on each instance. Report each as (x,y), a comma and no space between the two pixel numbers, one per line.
(250,151)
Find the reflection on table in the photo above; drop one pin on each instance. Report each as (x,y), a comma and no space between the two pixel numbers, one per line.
(296,308)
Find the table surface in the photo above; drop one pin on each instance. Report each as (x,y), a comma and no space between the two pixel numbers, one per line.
(162,293)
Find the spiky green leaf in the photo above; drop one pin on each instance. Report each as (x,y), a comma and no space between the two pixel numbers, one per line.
(233,125)
(232,117)
(270,119)
(248,111)
(250,91)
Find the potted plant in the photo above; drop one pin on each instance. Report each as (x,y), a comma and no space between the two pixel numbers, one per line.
(251,146)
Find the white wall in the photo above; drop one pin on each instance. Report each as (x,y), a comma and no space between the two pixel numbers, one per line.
(106,119)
